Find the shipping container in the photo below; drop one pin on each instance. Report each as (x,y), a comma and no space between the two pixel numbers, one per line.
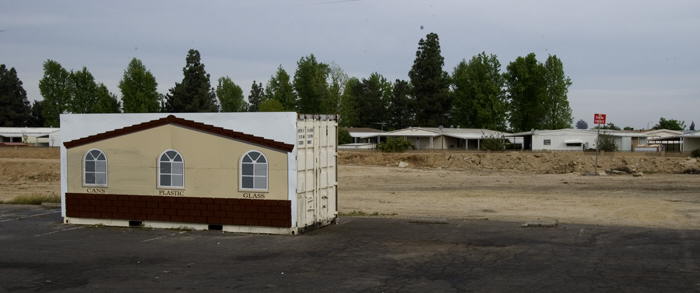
(317,193)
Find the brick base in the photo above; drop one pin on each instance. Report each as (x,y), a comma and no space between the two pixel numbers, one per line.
(200,210)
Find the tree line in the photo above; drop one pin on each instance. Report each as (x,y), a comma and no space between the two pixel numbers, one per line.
(529,94)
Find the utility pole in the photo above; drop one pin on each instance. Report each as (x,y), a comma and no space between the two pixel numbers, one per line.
(598,119)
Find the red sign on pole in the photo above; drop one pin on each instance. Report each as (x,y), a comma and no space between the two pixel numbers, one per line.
(599,118)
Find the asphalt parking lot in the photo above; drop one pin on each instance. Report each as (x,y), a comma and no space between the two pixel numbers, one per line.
(38,253)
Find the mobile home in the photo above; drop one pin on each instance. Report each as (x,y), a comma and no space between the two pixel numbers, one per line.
(239,172)
(556,140)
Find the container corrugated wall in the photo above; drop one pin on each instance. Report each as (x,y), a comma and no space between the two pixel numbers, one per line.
(316,170)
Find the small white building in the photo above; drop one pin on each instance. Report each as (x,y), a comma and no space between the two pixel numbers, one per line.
(691,141)
(556,140)
(441,138)
(39,136)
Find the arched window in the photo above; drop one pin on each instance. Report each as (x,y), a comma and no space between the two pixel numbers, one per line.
(171,170)
(254,171)
(95,168)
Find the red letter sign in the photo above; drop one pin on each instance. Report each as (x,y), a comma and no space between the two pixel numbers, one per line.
(599,118)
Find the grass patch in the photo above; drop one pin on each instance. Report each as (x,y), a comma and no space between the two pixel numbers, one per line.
(34,199)
(363,214)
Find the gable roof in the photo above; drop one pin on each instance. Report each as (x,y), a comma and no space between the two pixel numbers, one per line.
(363,129)
(564,131)
(171,119)
(663,133)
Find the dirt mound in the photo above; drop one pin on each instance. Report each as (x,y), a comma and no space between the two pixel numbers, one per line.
(29,152)
(527,162)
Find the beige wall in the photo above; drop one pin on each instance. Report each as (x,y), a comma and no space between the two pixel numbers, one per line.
(211,164)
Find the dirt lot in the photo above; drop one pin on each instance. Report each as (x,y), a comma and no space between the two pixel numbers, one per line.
(659,200)
(463,185)
(28,171)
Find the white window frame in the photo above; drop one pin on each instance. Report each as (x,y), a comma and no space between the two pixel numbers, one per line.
(240,173)
(106,169)
(158,170)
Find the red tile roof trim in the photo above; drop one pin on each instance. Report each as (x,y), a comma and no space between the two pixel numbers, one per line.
(171,119)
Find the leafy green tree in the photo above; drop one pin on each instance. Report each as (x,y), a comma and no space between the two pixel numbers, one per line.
(628,128)
(14,106)
(401,106)
(581,124)
(479,99)
(558,113)
(37,119)
(281,89)
(394,145)
(256,96)
(348,105)
(230,96)
(271,105)
(527,92)
(670,124)
(194,93)
(106,102)
(372,96)
(310,83)
(430,83)
(139,89)
(338,78)
(55,87)
(83,92)
(344,136)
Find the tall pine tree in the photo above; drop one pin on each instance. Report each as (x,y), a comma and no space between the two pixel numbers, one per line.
(280,88)
(37,119)
(194,93)
(479,95)
(14,107)
(373,95)
(349,115)
(230,96)
(256,97)
(310,83)
(139,89)
(55,87)
(558,113)
(401,106)
(430,83)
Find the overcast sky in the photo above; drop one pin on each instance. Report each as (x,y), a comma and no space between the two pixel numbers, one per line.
(634,60)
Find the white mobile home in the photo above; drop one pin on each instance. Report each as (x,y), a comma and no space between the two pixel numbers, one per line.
(40,136)
(556,140)
(236,172)
(440,138)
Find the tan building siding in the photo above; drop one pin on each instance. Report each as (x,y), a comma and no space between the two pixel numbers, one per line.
(211,164)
